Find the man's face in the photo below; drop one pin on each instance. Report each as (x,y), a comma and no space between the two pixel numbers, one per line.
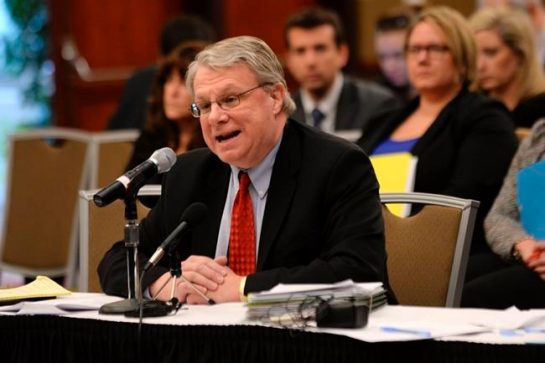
(313,57)
(244,134)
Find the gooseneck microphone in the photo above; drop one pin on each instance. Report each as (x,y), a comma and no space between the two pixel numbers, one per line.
(160,161)
(192,216)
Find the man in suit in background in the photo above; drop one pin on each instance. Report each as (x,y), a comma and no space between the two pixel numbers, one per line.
(316,53)
(132,110)
(286,203)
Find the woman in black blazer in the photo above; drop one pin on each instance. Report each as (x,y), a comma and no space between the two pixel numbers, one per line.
(464,141)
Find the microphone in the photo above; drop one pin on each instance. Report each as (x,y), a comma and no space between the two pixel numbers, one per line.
(160,161)
(192,216)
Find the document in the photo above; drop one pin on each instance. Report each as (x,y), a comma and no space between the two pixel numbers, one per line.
(531,199)
(395,173)
(64,305)
(295,304)
(346,288)
(41,287)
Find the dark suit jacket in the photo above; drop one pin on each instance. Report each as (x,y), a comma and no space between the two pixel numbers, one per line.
(133,106)
(359,102)
(465,152)
(322,221)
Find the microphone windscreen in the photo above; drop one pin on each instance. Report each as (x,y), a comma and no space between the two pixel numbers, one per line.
(164,158)
(194,214)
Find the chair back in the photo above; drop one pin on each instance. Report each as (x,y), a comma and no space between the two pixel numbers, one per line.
(100,227)
(428,251)
(46,169)
(109,154)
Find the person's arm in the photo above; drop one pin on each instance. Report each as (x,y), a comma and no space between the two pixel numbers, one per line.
(502,225)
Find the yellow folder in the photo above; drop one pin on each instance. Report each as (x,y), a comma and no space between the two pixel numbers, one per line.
(395,173)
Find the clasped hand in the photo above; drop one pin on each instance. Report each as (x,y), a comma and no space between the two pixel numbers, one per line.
(211,276)
(533,255)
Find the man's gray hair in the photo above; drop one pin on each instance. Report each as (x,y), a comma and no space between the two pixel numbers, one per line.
(253,52)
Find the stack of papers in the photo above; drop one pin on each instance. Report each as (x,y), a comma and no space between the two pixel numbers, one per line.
(288,304)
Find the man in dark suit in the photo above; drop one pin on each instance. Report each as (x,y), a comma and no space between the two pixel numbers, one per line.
(133,106)
(315,213)
(316,53)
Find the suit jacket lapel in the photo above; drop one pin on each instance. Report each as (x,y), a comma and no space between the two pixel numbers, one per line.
(281,189)
(347,106)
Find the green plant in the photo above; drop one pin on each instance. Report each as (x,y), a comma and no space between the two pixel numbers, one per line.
(26,52)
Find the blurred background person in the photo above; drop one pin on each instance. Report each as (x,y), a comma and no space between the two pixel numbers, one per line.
(133,106)
(464,141)
(507,65)
(535,10)
(317,51)
(169,122)
(515,273)
(389,43)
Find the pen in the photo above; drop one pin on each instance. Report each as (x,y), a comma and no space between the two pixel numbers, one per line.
(210,301)
(420,333)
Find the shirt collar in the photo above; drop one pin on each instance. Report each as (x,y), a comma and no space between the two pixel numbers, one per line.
(328,104)
(260,175)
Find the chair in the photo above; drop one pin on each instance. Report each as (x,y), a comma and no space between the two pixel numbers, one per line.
(109,154)
(46,168)
(428,251)
(99,229)
(522,132)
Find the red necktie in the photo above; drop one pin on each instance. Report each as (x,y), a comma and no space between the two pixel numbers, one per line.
(242,236)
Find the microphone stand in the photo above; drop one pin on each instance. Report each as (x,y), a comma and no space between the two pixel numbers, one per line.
(132,239)
(158,308)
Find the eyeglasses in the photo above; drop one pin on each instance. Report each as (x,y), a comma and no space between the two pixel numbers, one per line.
(433,50)
(226,103)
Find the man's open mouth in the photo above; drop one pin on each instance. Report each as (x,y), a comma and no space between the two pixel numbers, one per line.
(225,137)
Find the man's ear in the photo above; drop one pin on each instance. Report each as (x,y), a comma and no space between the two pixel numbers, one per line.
(277,94)
(344,53)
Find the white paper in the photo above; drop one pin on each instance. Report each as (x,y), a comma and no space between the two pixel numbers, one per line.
(512,319)
(60,306)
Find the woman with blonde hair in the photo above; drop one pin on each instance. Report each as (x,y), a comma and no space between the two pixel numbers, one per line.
(464,141)
(508,68)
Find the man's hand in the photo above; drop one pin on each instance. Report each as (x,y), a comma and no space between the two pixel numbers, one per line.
(204,271)
(164,295)
(211,276)
(215,279)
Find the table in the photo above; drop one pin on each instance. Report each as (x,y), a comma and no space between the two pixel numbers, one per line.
(61,339)
(90,337)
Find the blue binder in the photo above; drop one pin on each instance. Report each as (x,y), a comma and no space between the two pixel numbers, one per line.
(531,199)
